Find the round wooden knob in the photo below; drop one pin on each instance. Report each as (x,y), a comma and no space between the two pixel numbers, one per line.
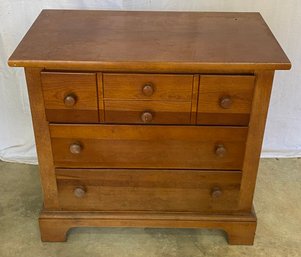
(146,117)
(148,89)
(216,192)
(225,102)
(70,100)
(220,150)
(79,192)
(75,148)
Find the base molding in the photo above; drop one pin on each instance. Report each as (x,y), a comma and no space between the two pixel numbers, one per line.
(240,228)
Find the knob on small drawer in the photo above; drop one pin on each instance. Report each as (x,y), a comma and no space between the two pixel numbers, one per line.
(216,192)
(70,100)
(220,150)
(148,89)
(75,148)
(147,117)
(79,191)
(225,102)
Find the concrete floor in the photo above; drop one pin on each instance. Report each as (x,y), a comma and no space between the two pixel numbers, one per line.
(277,203)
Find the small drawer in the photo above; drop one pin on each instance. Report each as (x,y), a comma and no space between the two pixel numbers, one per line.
(147,112)
(147,86)
(225,100)
(70,97)
(148,190)
(139,146)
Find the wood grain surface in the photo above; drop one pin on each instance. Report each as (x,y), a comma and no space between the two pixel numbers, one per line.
(214,88)
(163,112)
(81,86)
(240,228)
(149,41)
(165,87)
(148,190)
(42,138)
(140,146)
(258,117)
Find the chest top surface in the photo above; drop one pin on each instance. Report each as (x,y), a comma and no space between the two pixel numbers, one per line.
(121,40)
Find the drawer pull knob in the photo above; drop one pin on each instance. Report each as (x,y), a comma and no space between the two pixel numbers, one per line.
(75,148)
(148,89)
(79,192)
(216,192)
(225,102)
(70,100)
(146,117)
(220,150)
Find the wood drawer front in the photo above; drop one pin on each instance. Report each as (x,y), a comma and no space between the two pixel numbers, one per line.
(70,97)
(161,87)
(147,112)
(148,190)
(140,146)
(225,99)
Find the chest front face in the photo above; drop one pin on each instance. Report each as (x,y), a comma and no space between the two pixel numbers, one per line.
(143,123)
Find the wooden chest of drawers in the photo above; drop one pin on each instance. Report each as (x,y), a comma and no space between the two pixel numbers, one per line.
(149,124)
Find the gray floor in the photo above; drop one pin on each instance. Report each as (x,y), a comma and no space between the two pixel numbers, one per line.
(277,203)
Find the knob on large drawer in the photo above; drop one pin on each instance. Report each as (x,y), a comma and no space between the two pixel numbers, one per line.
(79,192)
(216,192)
(148,89)
(220,150)
(225,102)
(147,117)
(75,148)
(70,100)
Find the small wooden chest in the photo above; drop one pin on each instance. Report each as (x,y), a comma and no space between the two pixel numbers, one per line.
(149,119)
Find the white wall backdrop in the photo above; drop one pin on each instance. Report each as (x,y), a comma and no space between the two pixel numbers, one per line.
(283,131)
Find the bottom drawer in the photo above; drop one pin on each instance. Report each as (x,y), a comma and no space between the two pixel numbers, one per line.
(148,190)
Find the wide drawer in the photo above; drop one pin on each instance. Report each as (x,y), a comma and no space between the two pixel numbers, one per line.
(225,99)
(147,86)
(148,190)
(147,112)
(70,97)
(125,146)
